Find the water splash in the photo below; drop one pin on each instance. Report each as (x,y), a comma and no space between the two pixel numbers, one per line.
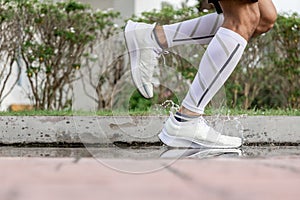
(225,123)
(171,105)
(165,107)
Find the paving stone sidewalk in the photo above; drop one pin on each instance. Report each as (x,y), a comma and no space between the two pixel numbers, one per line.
(89,179)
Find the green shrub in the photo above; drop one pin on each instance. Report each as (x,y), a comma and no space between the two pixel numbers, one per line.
(9,48)
(55,39)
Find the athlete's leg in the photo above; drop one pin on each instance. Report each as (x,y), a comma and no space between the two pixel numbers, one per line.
(144,45)
(221,57)
(223,54)
(200,30)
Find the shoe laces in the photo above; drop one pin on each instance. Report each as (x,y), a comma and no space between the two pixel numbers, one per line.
(161,53)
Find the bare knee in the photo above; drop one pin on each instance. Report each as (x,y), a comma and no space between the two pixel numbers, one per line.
(267,21)
(242,18)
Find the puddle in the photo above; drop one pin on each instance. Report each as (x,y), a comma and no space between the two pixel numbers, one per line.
(151,152)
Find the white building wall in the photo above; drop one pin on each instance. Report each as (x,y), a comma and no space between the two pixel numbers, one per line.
(99,4)
(146,5)
(125,7)
(19,94)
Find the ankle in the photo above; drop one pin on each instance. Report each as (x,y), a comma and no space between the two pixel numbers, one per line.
(160,37)
(185,111)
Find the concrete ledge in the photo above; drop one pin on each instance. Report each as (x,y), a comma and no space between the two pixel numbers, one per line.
(107,130)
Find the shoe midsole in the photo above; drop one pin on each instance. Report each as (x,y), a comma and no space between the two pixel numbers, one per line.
(203,143)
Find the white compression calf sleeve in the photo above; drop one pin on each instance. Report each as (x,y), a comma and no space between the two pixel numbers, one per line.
(218,62)
(200,30)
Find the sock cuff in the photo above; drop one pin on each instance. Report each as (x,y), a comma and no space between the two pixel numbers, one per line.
(184,116)
(192,108)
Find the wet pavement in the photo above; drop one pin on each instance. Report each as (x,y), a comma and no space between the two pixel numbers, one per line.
(152,172)
(141,152)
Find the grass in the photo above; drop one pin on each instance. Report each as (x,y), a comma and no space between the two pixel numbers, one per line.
(254,112)
(73,113)
(257,112)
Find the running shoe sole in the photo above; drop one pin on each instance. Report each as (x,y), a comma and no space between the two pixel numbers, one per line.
(200,153)
(182,142)
(134,53)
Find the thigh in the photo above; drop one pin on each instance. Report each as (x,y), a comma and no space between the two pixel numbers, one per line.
(240,9)
(241,16)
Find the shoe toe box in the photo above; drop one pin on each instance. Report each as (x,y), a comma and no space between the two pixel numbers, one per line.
(230,141)
(146,90)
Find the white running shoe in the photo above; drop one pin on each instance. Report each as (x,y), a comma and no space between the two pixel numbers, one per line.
(201,153)
(195,133)
(143,54)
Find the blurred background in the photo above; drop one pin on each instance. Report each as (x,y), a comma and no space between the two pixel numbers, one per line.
(53,58)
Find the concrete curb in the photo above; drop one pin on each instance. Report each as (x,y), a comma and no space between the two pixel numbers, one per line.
(128,129)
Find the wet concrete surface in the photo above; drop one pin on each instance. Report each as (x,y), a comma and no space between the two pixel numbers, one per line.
(147,152)
(110,129)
